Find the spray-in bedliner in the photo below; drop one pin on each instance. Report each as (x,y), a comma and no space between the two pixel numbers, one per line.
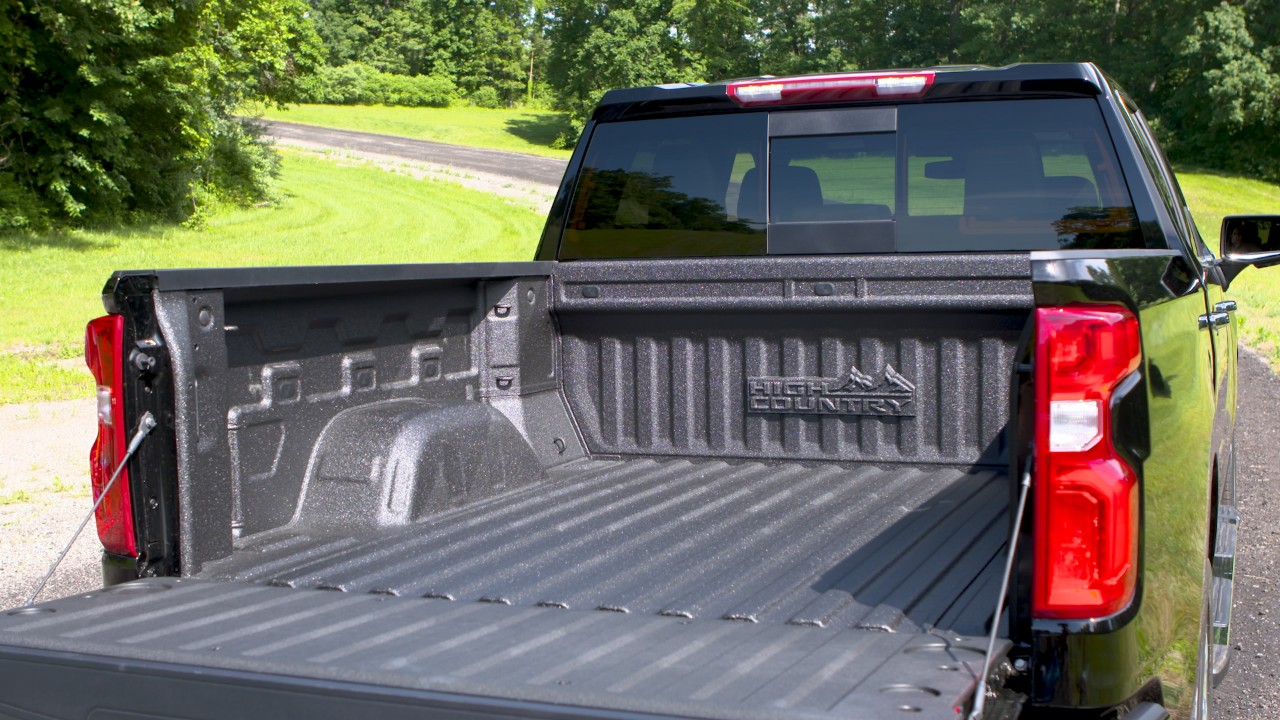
(816,544)
(342,655)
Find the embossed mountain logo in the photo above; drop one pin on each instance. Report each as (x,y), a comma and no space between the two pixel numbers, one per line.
(855,394)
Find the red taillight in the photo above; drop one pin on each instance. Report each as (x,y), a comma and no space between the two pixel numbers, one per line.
(843,87)
(1085,495)
(103,352)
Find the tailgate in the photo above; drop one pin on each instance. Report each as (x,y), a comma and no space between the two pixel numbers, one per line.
(235,650)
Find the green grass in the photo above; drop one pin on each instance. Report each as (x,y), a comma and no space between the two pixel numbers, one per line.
(332,214)
(15,497)
(526,131)
(1210,197)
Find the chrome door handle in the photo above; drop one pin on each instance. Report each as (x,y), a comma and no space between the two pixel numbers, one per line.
(1214,318)
(1226,306)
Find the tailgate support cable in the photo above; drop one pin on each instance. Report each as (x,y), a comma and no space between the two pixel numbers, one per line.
(980,693)
(146,424)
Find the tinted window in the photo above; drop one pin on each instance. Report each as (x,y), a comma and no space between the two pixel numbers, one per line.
(834,177)
(954,177)
(671,187)
(1011,175)
(1167,184)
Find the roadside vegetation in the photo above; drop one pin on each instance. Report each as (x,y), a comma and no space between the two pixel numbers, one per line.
(1211,196)
(1206,72)
(330,214)
(122,111)
(525,131)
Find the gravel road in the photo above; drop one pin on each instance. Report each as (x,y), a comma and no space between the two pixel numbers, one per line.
(44,493)
(528,168)
(1250,690)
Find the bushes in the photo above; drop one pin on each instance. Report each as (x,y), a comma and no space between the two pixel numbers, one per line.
(486,97)
(122,109)
(360,84)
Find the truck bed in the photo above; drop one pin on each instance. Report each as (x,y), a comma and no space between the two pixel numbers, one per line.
(246,651)
(611,589)
(818,544)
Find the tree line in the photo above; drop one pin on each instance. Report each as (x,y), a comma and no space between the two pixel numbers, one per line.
(1207,73)
(111,107)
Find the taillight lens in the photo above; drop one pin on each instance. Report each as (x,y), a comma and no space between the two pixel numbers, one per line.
(842,87)
(103,352)
(1085,495)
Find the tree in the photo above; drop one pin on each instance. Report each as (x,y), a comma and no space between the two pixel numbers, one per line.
(786,37)
(596,46)
(723,34)
(120,107)
(1227,111)
(477,44)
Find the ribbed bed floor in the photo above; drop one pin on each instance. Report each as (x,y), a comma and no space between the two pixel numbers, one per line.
(887,548)
(265,652)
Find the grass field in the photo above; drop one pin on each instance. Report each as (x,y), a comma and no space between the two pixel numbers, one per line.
(526,131)
(50,284)
(340,214)
(1212,196)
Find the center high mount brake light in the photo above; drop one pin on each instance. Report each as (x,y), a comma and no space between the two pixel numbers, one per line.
(842,87)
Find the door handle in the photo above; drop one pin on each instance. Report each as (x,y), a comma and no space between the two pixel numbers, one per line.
(1214,318)
(1226,306)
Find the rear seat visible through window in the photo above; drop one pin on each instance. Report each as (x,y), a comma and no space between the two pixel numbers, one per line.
(946,177)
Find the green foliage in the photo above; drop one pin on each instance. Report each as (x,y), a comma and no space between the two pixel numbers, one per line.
(485,97)
(474,44)
(1227,111)
(414,91)
(360,84)
(1207,73)
(595,47)
(349,84)
(118,108)
(115,109)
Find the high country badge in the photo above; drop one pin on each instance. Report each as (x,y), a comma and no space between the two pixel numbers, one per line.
(856,394)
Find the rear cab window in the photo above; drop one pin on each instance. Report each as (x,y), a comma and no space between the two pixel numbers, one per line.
(1004,175)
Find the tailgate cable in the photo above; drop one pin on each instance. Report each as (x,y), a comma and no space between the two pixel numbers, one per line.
(146,424)
(980,693)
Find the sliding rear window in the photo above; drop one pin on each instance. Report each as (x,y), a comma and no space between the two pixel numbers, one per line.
(671,188)
(946,177)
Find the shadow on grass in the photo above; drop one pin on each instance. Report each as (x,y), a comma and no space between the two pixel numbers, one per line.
(19,240)
(82,240)
(541,129)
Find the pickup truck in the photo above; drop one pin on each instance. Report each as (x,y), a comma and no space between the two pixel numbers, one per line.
(867,395)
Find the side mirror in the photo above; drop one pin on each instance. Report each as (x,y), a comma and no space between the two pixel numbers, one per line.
(1249,241)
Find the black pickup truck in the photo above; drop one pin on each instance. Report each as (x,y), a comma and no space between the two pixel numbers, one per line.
(868,395)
